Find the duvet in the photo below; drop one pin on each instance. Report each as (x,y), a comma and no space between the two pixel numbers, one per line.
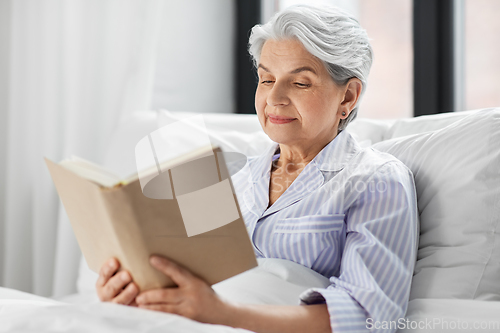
(274,281)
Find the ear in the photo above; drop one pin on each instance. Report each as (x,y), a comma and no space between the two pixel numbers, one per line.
(352,91)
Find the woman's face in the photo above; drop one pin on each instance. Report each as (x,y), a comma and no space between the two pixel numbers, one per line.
(297,101)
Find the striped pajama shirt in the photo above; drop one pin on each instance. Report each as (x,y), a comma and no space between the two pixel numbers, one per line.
(351,216)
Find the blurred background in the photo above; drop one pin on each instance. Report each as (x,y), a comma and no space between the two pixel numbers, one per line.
(70,69)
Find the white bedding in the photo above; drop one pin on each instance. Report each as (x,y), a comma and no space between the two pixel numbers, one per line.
(275,281)
(19,313)
(37,316)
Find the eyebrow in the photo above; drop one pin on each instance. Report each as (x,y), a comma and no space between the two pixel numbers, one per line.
(295,71)
(304,69)
(264,68)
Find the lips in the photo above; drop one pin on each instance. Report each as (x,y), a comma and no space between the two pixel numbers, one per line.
(279,119)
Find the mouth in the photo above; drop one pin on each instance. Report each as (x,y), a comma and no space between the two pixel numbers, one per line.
(279,119)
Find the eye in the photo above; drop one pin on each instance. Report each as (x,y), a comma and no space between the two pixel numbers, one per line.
(266,81)
(302,85)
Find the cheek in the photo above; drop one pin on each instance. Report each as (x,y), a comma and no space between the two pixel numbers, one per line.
(318,112)
(260,103)
(260,100)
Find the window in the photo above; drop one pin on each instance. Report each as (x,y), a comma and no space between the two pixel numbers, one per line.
(482,54)
(390,84)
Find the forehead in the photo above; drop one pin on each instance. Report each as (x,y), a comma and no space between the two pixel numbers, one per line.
(288,53)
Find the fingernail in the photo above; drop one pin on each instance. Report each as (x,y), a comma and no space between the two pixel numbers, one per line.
(111,264)
(124,276)
(156,260)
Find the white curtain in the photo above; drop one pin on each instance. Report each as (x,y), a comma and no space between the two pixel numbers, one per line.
(195,57)
(69,69)
(75,67)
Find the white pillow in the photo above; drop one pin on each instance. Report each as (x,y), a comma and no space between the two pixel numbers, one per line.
(457,175)
(408,126)
(369,131)
(240,133)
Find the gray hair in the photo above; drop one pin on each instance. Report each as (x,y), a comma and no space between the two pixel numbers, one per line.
(329,34)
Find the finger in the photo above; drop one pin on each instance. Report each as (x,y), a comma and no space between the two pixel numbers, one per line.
(128,294)
(178,274)
(115,285)
(167,295)
(107,270)
(169,308)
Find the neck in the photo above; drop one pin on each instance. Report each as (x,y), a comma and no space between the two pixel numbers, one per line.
(296,157)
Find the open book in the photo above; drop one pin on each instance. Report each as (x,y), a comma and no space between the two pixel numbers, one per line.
(183,209)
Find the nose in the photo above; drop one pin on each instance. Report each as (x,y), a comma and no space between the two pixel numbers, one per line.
(278,95)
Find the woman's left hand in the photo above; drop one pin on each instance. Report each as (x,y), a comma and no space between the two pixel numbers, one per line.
(192,298)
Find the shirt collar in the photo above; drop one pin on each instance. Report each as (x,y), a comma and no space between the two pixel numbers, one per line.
(337,154)
(262,164)
(333,157)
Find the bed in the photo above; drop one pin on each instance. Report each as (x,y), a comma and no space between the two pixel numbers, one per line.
(455,158)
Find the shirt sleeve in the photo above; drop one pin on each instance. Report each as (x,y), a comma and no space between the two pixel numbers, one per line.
(371,292)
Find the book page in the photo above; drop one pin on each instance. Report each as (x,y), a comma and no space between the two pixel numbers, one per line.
(91,171)
(106,178)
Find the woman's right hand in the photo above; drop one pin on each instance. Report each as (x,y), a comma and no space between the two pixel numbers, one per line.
(116,287)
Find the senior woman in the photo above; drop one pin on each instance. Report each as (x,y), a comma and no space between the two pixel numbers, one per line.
(315,197)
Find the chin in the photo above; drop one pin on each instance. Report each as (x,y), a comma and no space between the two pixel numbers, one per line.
(281,138)
(283,134)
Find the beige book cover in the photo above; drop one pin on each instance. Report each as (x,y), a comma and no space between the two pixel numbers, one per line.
(199,226)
